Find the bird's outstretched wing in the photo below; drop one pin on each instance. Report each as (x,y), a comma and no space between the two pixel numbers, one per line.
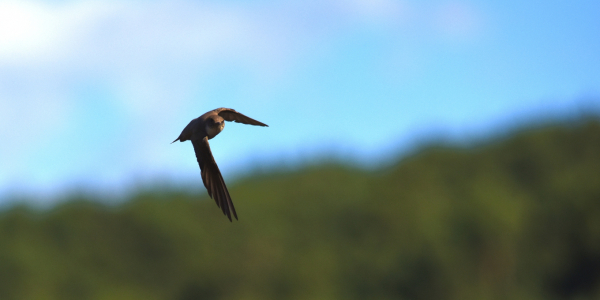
(231,115)
(211,176)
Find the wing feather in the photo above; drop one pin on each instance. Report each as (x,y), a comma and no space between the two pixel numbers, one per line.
(233,116)
(212,178)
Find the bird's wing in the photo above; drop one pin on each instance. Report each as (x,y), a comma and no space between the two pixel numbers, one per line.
(211,176)
(231,115)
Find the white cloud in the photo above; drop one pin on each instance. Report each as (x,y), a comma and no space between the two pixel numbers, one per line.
(26,29)
(33,32)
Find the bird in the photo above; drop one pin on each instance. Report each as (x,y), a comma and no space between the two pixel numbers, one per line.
(199,131)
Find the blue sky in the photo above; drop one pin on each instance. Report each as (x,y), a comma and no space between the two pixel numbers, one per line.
(93,92)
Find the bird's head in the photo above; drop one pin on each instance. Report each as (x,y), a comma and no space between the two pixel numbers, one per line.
(214,125)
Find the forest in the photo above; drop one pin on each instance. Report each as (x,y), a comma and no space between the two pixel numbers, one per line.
(516,216)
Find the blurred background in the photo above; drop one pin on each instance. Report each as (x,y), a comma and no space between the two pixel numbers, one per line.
(416,149)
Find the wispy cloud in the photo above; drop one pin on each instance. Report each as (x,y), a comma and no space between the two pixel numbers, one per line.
(391,12)
(458,20)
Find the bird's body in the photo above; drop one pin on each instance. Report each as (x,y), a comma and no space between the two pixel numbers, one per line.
(199,131)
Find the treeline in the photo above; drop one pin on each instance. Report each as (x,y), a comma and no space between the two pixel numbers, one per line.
(516,218)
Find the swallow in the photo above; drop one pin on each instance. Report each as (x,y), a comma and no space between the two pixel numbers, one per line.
(199,131)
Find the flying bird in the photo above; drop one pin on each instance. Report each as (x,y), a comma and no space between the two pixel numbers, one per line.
(199,131)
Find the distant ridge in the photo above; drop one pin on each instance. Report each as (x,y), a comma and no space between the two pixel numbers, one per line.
(518,217)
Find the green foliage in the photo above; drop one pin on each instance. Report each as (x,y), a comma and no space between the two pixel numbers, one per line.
(517,218)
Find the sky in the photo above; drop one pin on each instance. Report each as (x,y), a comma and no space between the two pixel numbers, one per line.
(93,92)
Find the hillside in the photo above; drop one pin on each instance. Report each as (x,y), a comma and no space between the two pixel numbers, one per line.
(514,218)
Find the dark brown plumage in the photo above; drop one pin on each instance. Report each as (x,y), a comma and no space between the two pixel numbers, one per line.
(199,131)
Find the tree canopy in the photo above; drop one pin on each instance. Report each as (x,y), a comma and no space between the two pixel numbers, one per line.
(517,217)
